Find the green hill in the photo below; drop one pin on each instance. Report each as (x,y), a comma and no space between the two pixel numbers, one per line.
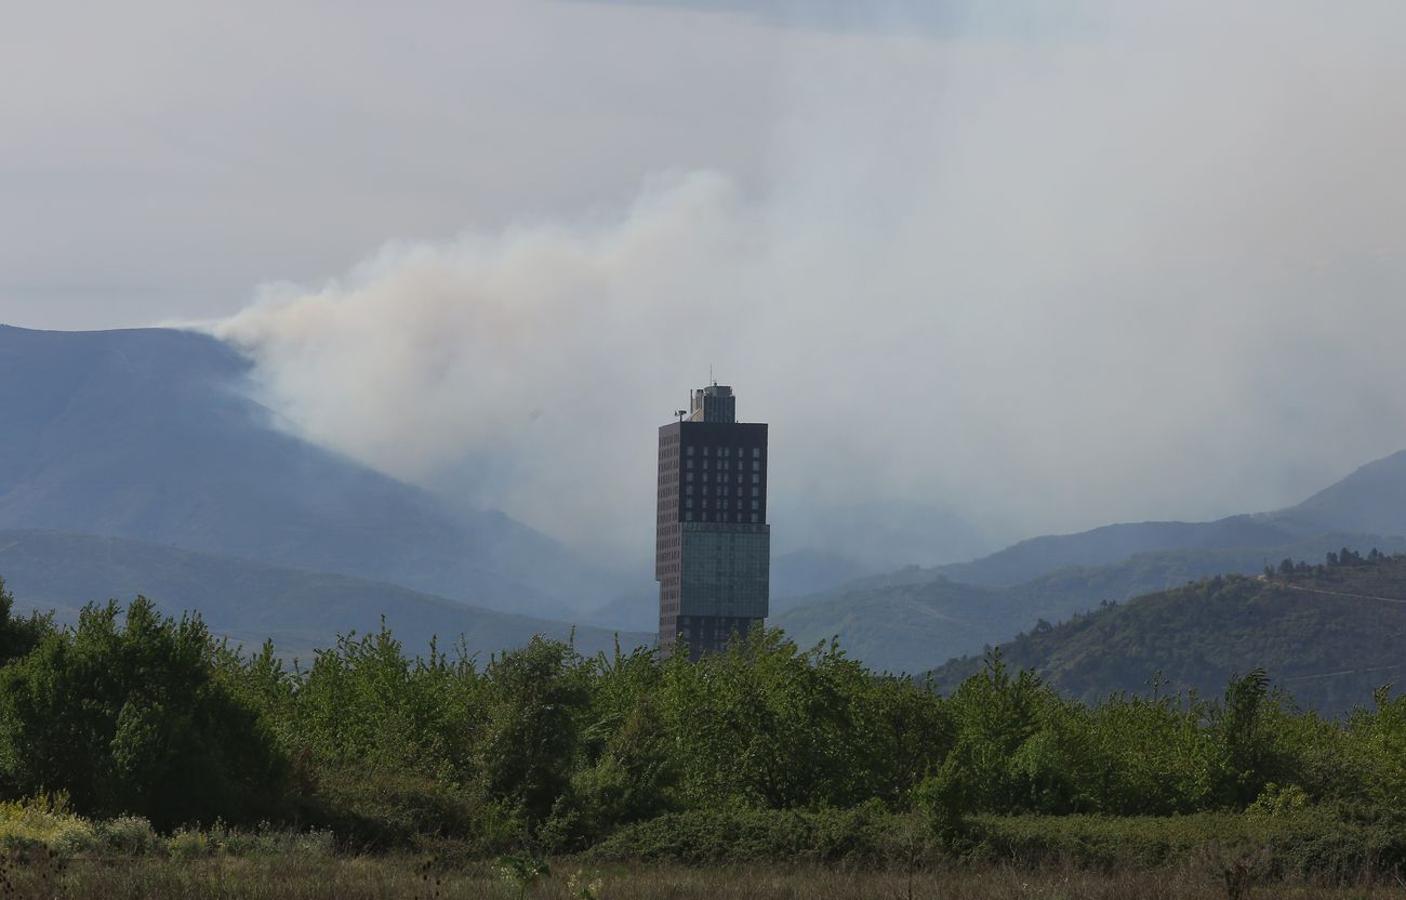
(1328,634)
(249,601)
(914,618)
(912,621)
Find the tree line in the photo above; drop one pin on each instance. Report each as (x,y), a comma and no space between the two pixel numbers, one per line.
(130,712)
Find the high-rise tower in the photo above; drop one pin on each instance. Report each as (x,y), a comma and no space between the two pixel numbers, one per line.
(712,555)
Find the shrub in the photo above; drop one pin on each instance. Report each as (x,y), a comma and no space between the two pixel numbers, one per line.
(45,821)
(188,844)
(128,836)
(265,840)
(738,835)
(378,810)
(1105,842)
(1318,843)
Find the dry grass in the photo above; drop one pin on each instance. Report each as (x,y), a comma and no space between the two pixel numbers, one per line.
(406,877)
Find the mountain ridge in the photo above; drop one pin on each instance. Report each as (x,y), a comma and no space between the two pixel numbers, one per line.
(887,620)
(1330,634)
(151,434)
(913,624)
(298,609)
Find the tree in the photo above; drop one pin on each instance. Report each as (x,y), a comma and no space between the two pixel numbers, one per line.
(132,720)
(768,724)
(1005,757)
(535,697)
(18,636)
(1245,733)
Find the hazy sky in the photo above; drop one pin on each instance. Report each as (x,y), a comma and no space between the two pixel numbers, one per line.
(1038,270)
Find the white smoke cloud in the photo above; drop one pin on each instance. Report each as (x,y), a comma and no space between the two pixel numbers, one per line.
(528,366)
(1149,270)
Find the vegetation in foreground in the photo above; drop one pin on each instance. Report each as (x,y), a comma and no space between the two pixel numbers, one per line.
(48,851)
(139,738)
(399,877)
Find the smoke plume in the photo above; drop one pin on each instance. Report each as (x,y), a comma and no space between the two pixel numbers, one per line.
(1146,269)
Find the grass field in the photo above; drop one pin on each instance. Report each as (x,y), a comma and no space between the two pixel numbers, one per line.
(48,852)
(355,878)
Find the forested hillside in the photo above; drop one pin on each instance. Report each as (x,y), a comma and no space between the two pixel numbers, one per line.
(911,619)
(915,620)
(1329,634)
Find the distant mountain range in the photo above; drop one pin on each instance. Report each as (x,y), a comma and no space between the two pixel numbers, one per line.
(249,601)
(136,461)
(146,448)
(1329,637)
(910,627)
(911,619)
(148,434)
(1370,501)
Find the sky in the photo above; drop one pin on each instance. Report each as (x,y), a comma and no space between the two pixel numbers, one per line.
(989,270)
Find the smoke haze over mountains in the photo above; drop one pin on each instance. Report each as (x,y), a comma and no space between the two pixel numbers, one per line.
(1010,276)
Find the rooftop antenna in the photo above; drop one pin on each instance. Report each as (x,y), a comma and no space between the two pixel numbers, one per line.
(710,375)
